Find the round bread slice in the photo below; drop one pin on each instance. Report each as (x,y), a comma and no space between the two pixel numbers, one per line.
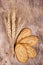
(31,40)
(25,32)
(31,51)
(21,53)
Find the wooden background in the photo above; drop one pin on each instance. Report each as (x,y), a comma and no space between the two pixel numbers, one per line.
(31,13)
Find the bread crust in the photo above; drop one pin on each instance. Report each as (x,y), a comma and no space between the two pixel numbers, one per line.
(30,51)
(21,53)
(24,33)
(31,40)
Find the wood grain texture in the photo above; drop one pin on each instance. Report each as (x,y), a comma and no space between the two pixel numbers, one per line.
(31,13)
